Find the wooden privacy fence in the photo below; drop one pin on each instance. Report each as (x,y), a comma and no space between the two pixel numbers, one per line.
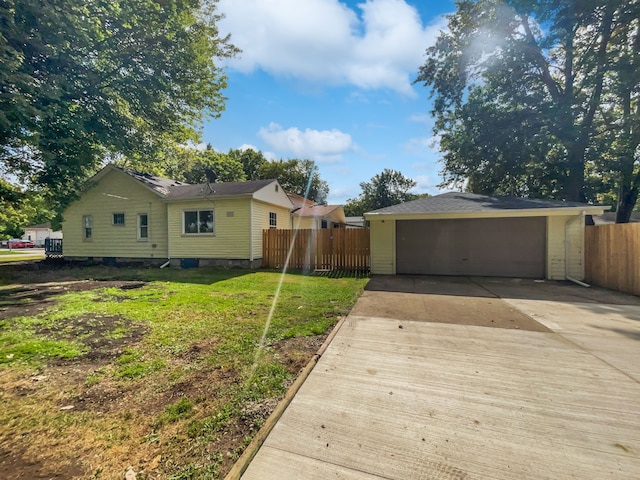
(612,256)
(326,249)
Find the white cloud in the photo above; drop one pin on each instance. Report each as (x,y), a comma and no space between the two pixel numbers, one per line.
(427,184)
(420,145)
(320,145)
(248,146)
(421,118)
(379,46)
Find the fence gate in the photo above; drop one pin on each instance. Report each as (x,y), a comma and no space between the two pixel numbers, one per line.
(326,249)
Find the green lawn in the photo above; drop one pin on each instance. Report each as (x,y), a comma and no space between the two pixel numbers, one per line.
(10,256)
(183,344)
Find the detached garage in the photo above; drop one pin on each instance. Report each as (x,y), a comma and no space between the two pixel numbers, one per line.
(477,235)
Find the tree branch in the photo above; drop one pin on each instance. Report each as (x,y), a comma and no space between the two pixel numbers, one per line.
(552,86)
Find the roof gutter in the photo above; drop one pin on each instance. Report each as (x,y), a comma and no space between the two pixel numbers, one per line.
(531,212)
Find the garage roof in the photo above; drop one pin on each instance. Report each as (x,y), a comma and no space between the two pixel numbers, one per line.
(470,203)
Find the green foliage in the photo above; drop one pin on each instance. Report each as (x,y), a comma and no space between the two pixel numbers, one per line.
(190,165)
(538,99)
(20,209)
(301,177)
(225,168)
(84,81)
(251,161)
(387,188)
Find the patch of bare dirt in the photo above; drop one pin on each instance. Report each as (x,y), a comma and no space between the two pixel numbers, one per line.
(32,299)
(14,465)
(296,352)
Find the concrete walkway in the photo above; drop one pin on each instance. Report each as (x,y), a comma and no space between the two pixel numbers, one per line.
(437,378)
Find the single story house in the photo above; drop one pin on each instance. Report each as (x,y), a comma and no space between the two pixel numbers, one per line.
(125,216)
(479,235)
(306,214)
(39,233)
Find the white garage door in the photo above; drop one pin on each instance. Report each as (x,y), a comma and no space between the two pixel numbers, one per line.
(503,247)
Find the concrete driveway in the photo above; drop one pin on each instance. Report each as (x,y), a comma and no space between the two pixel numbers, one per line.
(455,378)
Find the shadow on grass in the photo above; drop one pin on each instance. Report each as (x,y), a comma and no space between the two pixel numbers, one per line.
(47,272)
(324,273)
(59,272)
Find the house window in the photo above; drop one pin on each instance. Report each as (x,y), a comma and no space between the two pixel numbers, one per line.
(87,227)
(324,224)
(273,220)
(198,221)
(118,218)
(143,226)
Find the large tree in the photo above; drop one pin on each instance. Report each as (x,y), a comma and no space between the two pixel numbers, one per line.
(87,80)
(540,98)
(301,177)
(387,188)
(251,160)
(211,166)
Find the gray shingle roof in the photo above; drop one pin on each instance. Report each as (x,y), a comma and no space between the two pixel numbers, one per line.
(189,192)
(40,225)
(459,202)
(159,184)
(176,190)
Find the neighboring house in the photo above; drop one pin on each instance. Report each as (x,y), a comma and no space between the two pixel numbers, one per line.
(355,222)
(306,214)
(39,233)
(125,216)
(467,234)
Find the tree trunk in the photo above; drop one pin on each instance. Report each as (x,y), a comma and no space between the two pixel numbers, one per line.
(574,184)
(627,199)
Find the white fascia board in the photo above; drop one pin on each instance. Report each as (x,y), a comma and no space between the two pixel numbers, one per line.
(533,212)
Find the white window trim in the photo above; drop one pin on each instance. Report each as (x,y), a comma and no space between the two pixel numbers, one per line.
(141,238)
(198,234)
(275,217)
(84,228)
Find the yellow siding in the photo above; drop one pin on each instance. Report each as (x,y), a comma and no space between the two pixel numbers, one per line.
(116,192)
(565,234)
(304,223)
(261,222)
(231,239)
(383,247)
(575,238)
(274,194)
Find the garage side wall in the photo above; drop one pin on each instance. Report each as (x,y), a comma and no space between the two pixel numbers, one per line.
(383,247)
(565,247)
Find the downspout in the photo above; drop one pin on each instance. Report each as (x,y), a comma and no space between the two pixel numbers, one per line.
(569,223)
(168,262)
(251,232)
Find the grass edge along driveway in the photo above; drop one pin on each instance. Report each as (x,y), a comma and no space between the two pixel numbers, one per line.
(156,369)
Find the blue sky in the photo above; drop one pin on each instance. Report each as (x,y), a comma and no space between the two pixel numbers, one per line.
(331,81)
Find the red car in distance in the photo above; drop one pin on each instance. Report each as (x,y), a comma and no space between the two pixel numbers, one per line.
(18,243)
